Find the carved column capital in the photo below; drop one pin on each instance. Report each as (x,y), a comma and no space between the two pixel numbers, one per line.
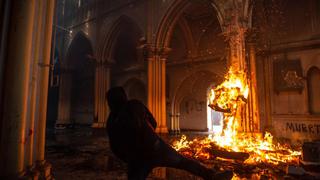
(234,15)
(151,51)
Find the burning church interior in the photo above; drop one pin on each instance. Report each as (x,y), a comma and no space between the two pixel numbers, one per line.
(231,84)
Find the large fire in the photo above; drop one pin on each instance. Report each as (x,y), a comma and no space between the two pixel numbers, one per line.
(229,98)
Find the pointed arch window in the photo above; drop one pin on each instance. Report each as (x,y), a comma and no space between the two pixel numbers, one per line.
(314,90)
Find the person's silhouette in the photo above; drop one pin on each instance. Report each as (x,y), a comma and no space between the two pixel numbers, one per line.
(131,131)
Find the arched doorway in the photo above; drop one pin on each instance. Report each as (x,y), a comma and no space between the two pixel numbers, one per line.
(214,118)
(198,50)
(81,69)
(314,90)
(191,101)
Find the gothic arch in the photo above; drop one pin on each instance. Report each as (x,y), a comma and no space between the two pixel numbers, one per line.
(77,80)
(85,42)
(107,44)
(211,39)
(315,62)
(169,20)
(187,34)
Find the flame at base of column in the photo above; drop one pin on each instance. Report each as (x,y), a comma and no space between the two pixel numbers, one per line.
(230,98)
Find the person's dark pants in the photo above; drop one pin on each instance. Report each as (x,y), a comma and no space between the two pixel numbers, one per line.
(165,156)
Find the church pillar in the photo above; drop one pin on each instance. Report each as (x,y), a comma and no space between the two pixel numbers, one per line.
(237,47)
(235,33)
(17,73)
(253,96)
(157,86)
(102,85)
(267,74)
(44,167)
(64,98)
(38,42)
(172,125)
(235,18)
(176,123)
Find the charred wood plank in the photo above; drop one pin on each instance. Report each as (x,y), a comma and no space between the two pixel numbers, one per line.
(241,156)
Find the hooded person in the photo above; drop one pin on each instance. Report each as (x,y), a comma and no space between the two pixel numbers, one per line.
(131,130)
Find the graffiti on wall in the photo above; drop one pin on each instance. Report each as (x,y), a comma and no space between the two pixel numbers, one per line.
(192,105)
(303,127)
(297,128)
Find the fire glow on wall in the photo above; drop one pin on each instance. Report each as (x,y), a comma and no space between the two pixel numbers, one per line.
(231,97)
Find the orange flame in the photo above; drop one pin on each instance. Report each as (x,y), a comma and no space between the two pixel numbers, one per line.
(228,97)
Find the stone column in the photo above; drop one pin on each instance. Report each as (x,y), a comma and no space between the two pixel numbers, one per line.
(172,125)
(235,18)
(253,96)
(173,128)
(44,167)
(177,122)
(64,98)
(157,85)
(17,74)
(267,91)
(234,31)
(237,49)
(102,85)
(237,62)
(30,144)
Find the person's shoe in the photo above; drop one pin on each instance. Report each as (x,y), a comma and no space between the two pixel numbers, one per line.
(223,175)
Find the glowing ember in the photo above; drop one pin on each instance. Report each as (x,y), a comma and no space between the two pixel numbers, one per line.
(229,98)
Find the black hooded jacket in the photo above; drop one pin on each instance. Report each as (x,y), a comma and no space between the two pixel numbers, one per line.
(130,127)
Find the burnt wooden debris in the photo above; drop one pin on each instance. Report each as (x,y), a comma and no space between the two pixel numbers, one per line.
(223,153)
(223,159)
